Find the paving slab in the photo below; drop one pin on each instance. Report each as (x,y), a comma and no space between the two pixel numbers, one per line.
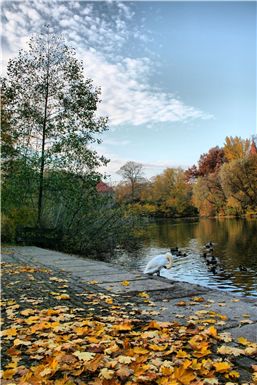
(103,278)
(136,286)
(246,331)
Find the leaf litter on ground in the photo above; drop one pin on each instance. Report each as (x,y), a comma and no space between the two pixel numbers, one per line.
(100,343)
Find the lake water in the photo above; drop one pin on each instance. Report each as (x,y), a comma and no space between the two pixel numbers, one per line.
(235,244)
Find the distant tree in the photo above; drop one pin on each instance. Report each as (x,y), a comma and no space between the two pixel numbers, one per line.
(133,173)
(239,181)
(236,148)
(208,163)
(211,162)
(172,192)
(208,195)
(51,110)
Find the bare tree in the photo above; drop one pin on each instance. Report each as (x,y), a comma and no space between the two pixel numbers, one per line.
(132,172)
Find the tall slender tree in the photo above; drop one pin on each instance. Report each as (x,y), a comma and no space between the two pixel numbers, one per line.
(51,108)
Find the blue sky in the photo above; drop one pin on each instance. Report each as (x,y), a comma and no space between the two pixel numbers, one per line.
(176,77)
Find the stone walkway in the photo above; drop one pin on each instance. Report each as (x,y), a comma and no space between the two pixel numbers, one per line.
(164,294)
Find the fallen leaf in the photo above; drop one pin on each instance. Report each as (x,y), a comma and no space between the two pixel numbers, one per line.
(85,356)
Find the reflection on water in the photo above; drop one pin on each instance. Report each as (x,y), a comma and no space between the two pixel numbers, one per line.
(235,244)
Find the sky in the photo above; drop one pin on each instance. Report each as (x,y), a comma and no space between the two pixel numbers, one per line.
(176,77)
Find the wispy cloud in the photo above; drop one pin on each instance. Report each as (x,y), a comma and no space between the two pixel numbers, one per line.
(99,31)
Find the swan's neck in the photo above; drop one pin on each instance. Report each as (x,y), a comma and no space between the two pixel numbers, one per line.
(169,258)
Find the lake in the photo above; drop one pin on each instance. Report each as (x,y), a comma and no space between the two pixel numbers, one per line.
(235,244)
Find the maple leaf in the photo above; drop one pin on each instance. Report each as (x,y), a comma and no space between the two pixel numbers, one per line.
(183,375)
(181,303)
(124,372)
(232,374)
(251,350)
(245,322)
(123,326)
(125,359)
(139,350)
(125,283)
(9,332)
(198,299)
(106,373)
(226,337)
(212,331)
(143,294)
(222,366)
(27,312)
(17,342)
(224,349)
(45,372)
(85,356)
(244,341)
(63,296)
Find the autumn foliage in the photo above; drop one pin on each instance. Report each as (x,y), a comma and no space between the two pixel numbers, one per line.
(224,182)
(65,345)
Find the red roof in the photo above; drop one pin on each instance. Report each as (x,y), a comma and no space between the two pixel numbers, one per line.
(103,187)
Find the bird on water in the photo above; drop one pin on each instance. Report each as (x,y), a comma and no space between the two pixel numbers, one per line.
(159,262)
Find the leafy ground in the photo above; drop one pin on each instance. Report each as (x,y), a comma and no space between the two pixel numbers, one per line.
(57,332)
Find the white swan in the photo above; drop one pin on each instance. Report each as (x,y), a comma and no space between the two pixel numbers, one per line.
(158,262)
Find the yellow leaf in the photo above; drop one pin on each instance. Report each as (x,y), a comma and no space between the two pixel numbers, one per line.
(181,303)
(250,350)
(63,296)
(123,326)
(106,373)
(17,342)
(92,282)
(109,300)
(9,332)
(233,374)
(221,366)
(125,283)
(230,350)
(212,331)
(198,299)
(85,356)
(143,294)
(27,312)
(138,350)
(125,359)
(181,354)
(158,348)
(183,375)
(243,341)
(45,372)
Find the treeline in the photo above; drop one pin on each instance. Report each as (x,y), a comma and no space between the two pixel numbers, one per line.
(223,183)
(49,169)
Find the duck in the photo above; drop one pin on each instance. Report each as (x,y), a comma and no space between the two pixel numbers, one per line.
(242,268)
(213,270)
(174,249)
(157,263)
(209,245)
(212,261)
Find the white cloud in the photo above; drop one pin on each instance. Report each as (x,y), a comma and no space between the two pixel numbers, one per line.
(98,31)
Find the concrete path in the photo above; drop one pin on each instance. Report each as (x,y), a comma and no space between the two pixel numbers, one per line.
(169,299)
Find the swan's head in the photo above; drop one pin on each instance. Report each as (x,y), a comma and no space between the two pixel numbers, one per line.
(169,259)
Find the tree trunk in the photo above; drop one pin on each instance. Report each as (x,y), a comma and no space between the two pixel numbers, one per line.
(42,166)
